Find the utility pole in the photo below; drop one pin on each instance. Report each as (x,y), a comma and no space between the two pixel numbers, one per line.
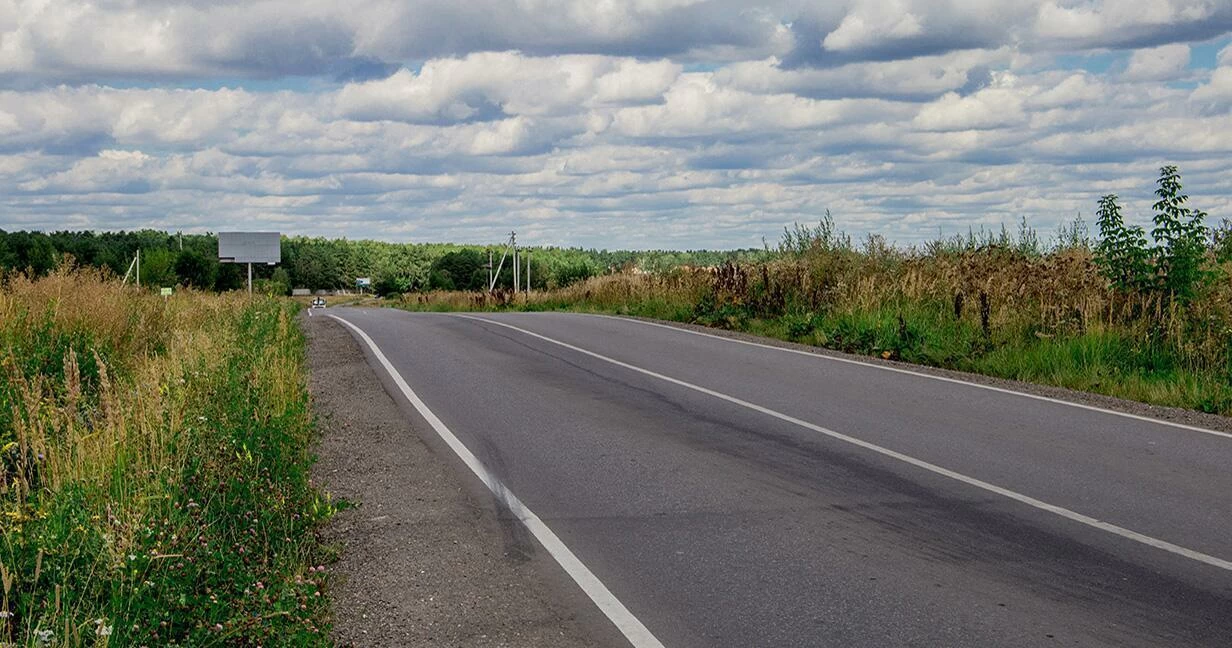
(250,279)
(494,276)
(500,266)
(528,273)
(138,267)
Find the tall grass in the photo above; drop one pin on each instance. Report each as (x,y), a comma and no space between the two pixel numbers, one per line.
(153,457)
(997,304)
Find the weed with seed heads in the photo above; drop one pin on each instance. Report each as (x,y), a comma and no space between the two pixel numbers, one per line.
(153,458)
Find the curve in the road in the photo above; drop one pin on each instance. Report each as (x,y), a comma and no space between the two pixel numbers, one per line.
(706,484)
(919,463)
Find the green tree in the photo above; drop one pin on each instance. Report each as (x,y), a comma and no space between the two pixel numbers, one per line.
(1121,254)
(158,267)
(392,285)
(441,280)
(314,263)
(461,270)
(196,270)
(31,251)
(572,272)
(279,282)
(1028,242)
(8,258)
(1180,238)
(1073,235)
(231,276)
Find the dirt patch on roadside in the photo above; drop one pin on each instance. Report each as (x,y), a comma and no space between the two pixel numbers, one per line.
(422,563)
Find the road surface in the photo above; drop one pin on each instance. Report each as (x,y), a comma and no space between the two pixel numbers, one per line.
(709,493)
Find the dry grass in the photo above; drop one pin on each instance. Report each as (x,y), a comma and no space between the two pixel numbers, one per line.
(118,412)
(613,292)
(1048,318)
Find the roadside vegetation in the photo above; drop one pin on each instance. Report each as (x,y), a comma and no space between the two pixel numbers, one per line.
(1136,315)
(190,260)
(153,468)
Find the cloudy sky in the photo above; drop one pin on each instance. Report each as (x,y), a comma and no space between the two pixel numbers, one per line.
(606,123)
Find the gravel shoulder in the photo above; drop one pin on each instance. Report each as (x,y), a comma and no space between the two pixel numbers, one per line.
(424,559)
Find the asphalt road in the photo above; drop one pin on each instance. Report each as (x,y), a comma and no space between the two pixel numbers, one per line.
(733,495)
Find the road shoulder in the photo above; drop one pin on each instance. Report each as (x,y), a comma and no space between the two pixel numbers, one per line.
(422,562)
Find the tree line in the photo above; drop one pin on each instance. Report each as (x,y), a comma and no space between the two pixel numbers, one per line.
(191,260)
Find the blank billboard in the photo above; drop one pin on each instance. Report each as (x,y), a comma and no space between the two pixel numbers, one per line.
(249,247)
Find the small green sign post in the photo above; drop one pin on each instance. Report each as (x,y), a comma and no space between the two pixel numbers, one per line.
(165,292)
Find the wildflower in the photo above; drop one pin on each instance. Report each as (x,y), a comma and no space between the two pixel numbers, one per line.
(44,637)
(100,629)
(4,614)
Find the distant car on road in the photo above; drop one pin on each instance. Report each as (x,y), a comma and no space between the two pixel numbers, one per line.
(318,302)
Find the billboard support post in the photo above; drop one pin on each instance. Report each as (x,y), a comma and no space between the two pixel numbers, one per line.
(250,248)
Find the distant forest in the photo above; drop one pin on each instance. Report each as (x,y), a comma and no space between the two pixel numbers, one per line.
(190,260)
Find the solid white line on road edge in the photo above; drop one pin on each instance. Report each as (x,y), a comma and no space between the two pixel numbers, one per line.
(629,625)
(919,463)
(921,374)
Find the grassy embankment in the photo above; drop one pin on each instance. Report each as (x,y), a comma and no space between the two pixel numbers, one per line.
(153,469)
(996,307)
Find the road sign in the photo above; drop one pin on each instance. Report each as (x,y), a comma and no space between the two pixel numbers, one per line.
(165,292)
(249,247)
(363,282)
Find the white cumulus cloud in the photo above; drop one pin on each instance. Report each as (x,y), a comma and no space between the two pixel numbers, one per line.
(1162,63)
(645,123)
(491,85)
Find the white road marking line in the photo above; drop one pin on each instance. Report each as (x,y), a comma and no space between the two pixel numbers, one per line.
(873,365)
(624,620)
(919,463)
